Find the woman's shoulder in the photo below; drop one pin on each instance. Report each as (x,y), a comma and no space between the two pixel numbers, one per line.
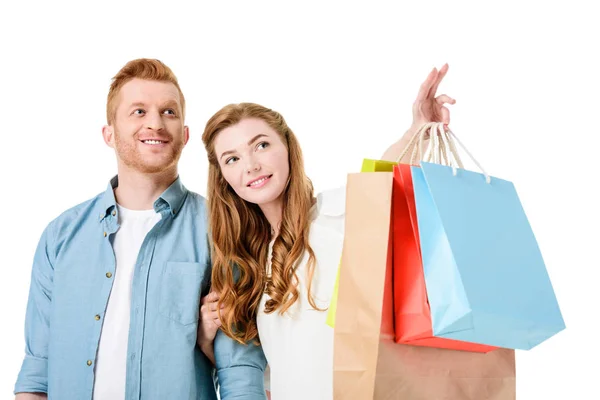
(332,202)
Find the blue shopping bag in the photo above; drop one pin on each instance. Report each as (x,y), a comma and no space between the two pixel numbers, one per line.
(485,276)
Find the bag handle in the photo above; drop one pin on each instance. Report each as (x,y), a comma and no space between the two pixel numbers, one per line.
(441,149)
(436,151)
(449,137)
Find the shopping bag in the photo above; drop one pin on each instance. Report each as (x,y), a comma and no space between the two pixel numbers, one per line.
(485,275)
(412,317)
(367,166)
(368,364)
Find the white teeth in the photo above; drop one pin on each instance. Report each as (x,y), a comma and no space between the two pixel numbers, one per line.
(261,180)
(153,141)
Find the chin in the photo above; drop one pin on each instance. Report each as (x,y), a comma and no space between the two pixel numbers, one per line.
(260,198)
(157,162)
(153,168)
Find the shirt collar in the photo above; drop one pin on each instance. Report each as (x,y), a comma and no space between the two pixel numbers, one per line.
(172,198)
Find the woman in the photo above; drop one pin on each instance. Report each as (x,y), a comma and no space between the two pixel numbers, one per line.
(285,244)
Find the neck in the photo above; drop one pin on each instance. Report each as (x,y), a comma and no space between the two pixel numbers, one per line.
(273,211)
(138,190)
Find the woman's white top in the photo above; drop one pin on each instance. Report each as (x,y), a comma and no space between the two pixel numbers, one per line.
(299,344)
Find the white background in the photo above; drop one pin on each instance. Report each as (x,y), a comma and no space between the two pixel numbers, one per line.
(344,75)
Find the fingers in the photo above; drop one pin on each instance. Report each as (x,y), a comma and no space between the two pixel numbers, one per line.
(209,314)
(426,86)
(212,296)
(210,321)
(207,330)
(445,116)
(437,81)
(213,317)
(431,84)
(209,311)
(442,99)
(217,322)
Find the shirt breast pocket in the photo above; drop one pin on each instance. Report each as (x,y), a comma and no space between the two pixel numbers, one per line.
(181,286)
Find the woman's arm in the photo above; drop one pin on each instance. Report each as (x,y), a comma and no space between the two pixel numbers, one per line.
(426,108)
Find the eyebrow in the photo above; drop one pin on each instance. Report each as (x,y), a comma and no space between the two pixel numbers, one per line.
(254,139)
(168,103)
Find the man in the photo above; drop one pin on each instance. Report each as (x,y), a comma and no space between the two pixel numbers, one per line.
(117,280)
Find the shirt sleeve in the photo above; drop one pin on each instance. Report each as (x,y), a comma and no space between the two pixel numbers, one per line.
(33,376)
(240,369)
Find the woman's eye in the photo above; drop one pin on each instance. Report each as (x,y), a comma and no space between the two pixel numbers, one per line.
(262,145)
(231,160)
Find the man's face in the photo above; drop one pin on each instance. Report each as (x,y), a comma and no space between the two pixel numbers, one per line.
(148,134)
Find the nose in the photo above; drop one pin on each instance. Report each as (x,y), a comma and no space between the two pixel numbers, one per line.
(154,121)
(252,165)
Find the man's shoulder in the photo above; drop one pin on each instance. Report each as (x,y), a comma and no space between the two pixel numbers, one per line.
(196,200)
(196,197)
(87,209)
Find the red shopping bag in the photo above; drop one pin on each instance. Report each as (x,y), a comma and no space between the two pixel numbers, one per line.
(412,322)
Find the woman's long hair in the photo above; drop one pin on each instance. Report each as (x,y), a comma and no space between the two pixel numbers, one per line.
(241,233)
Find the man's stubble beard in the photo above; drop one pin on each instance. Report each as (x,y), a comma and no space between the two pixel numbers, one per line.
(128,153)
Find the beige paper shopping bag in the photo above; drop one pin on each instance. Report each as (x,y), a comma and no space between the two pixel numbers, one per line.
(367,363)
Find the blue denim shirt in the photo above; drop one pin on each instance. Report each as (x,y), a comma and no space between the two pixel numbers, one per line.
(71,281)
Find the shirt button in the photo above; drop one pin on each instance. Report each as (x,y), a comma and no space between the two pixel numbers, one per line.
(133,356)
(114,213)
(109,275)
(97,317)
(89,363)
(104,234)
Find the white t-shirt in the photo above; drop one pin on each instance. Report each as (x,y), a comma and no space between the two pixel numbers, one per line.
(299,345)
(111,361)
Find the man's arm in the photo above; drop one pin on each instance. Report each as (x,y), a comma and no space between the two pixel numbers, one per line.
(32,382)
(240,369)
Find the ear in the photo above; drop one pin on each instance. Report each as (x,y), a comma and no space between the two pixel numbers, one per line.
(186,134)
(108,133)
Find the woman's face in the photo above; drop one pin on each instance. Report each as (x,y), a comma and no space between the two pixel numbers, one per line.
(253,160)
